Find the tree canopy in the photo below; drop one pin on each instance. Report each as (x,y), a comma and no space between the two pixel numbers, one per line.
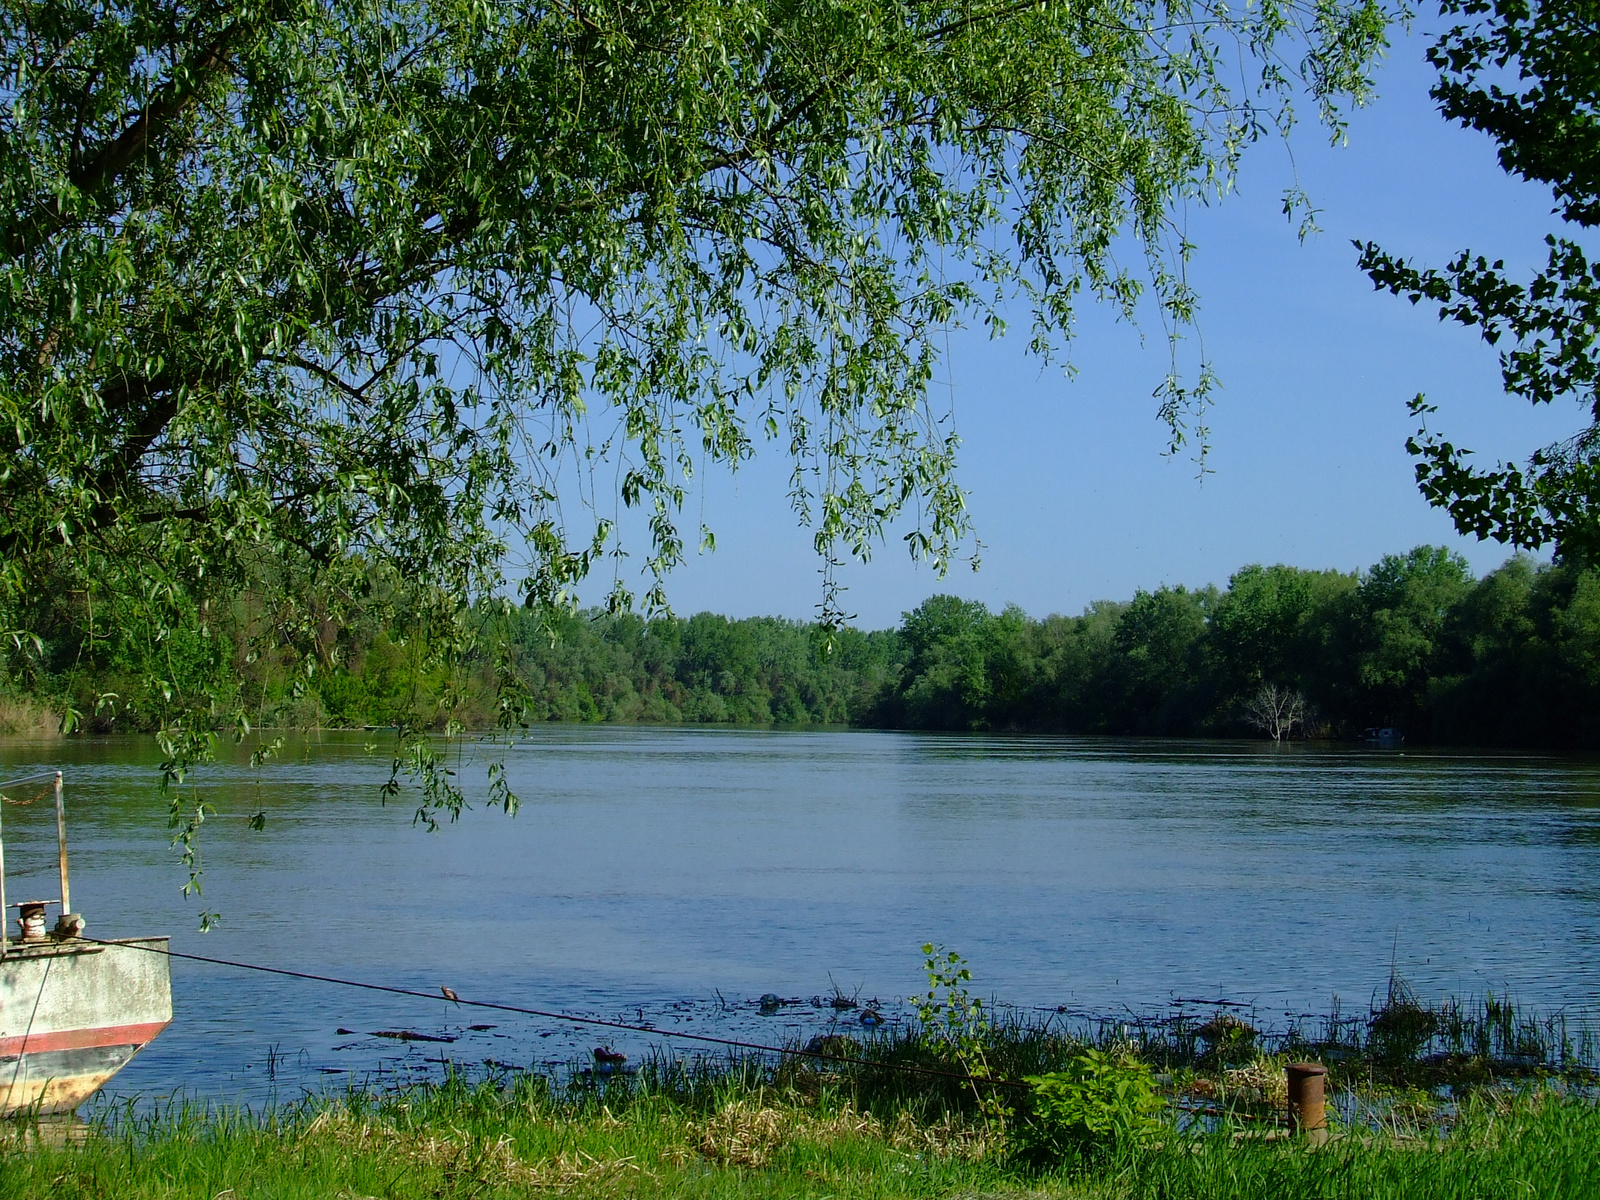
(1526,73)
(328,300)
(1413,642)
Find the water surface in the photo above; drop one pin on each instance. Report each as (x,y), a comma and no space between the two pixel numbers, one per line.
(676,875)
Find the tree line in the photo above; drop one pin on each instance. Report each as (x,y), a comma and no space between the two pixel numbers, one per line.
(1415,643)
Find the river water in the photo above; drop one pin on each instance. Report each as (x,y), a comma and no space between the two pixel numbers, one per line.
(673,876)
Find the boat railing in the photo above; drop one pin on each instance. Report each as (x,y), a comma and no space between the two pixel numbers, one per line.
(66,925)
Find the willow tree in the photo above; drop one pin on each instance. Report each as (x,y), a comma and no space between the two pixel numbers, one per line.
(303,293)
(1527,74)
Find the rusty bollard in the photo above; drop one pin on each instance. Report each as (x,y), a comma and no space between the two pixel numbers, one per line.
(1308,1112)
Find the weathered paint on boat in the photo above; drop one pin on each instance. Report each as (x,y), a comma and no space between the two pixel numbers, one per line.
(72,1013)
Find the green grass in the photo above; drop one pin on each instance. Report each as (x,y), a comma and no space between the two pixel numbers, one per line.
(485,1141)
(1532,1145)
(702,1136)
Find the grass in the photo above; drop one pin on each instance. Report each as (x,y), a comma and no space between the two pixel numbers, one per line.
(718,1133)
(459,1140)
(1535,1143)
(23,716)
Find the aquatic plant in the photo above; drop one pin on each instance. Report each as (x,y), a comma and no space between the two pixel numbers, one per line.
(1099,1106)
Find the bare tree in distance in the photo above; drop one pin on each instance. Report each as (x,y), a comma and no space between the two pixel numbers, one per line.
(1276,710)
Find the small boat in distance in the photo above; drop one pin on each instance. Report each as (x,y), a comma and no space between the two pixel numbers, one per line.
(72,1011)
(1385,736)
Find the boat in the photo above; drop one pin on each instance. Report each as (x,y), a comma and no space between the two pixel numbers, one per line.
(73,1010)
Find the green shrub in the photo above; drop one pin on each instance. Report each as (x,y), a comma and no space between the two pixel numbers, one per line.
(1100,1106)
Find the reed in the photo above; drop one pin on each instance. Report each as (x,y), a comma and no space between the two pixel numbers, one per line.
(1400,1059)
(26,717)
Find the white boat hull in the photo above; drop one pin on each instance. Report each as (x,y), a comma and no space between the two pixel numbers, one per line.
(72,1014)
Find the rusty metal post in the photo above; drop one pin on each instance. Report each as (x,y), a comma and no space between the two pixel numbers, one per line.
(1308,1112)
(61,843)
(30,917)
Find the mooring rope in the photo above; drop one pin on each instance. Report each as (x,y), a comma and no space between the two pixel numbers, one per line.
(5,783)
(733,1043)
(48,789)
(50,776)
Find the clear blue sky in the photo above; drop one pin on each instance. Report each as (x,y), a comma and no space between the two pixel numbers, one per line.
(1072,497)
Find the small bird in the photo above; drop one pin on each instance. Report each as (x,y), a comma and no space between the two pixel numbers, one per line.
(449,994)
(605,1056)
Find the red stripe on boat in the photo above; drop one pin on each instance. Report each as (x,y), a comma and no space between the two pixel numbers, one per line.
(81,1039)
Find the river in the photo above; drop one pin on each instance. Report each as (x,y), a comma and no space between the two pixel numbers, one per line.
(673,876)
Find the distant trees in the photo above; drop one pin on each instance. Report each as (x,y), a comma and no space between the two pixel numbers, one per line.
(1275,625)
(1153,677)
(1415,642)
(1402,639)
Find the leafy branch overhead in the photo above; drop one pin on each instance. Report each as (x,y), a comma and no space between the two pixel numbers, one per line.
(325,300)
(1526,74)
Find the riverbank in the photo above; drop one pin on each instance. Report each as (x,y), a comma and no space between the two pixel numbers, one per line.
(734,1139)
(1424,1102)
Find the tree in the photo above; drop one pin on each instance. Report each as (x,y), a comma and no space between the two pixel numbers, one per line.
(1153,671)
(402,301)
(1547,126)
(1276,711)
(1402,637)
(945,683)
(1270,627)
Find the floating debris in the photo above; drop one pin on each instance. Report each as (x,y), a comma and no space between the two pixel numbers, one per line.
(407,1035)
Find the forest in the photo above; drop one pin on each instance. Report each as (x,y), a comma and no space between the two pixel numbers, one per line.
(1415,643)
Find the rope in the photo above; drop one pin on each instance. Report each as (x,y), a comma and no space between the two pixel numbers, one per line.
(47,790)
(908,1068)
(50,775)
(28,780)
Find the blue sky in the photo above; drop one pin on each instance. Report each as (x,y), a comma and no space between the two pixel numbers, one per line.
(1068,486)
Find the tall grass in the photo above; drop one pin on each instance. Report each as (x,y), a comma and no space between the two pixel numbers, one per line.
(738,1136)
(515,1137)
(24,716)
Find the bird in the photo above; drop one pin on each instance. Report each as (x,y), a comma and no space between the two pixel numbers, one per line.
(449,994)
